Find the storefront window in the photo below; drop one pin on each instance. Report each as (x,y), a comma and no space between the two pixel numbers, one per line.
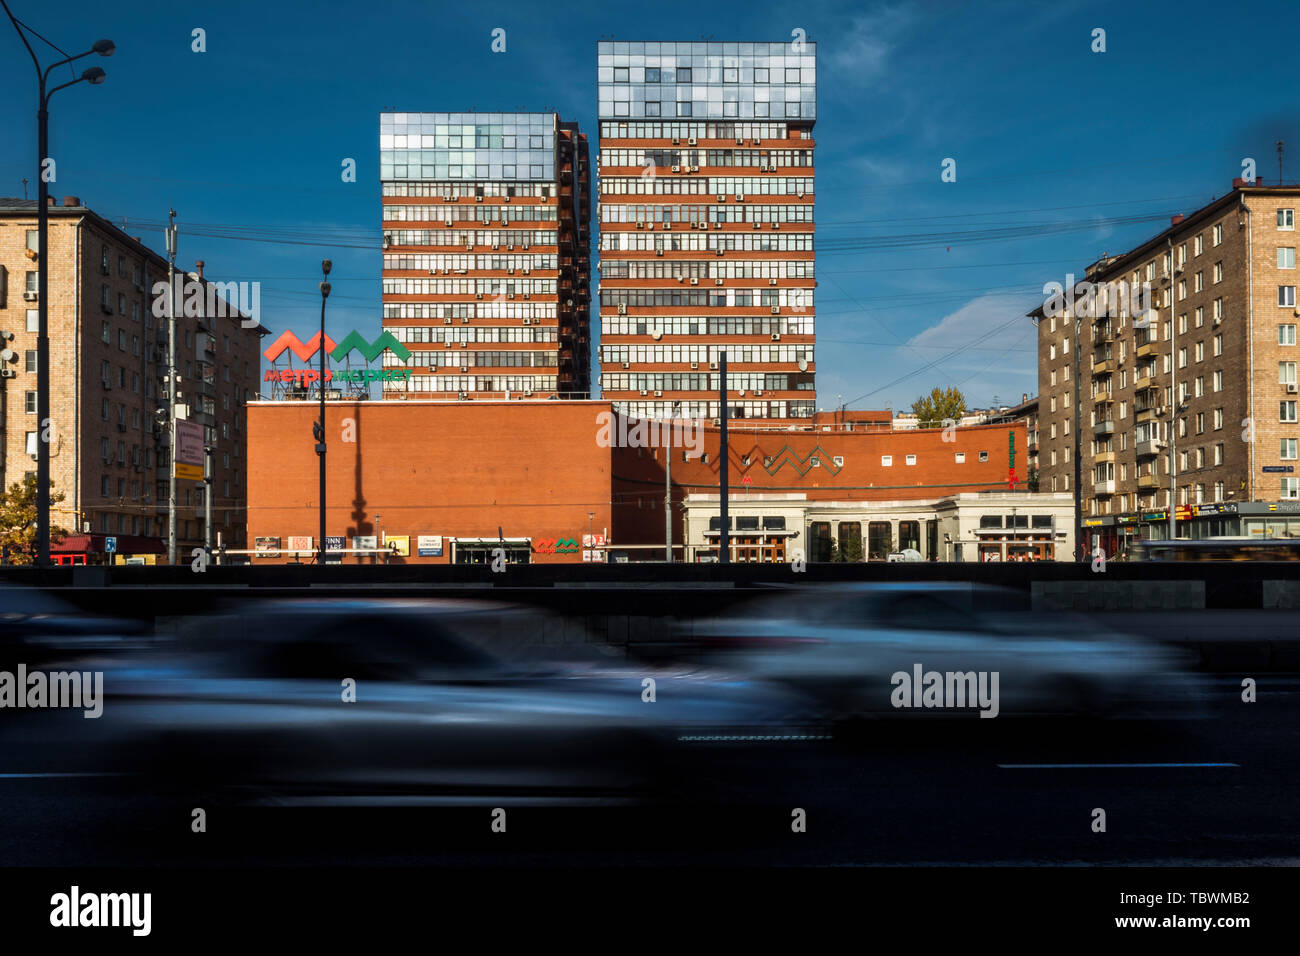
(880,539)
(909,535)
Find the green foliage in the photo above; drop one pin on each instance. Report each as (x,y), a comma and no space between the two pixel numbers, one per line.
(941,403)
(18,520)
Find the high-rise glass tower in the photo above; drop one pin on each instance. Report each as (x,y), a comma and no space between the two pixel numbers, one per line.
(706,227)
(486,267)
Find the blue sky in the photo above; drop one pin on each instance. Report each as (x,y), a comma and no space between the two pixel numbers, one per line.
(1062,153)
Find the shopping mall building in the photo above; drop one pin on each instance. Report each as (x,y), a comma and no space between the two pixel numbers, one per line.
(425,481)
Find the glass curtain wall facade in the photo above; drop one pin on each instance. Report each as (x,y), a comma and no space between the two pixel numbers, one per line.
(485,272)
(706,227)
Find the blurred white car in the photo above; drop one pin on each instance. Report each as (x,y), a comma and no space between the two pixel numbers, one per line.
(858,650)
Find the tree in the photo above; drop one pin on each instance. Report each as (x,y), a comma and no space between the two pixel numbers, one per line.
(18,520)
(941,403)
(1031,480)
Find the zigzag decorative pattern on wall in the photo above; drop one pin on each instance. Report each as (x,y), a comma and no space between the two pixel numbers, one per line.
(802,465)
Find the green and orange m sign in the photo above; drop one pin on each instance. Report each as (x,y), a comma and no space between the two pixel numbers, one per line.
(353,342)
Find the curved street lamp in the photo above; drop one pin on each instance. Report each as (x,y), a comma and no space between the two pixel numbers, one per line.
(94,76)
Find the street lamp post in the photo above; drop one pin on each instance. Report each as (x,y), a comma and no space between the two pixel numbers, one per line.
(319,428)
(94,76)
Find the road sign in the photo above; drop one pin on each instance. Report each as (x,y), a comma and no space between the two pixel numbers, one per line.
(110,545)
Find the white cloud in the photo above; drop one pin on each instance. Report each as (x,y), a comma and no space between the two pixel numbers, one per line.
(864,50)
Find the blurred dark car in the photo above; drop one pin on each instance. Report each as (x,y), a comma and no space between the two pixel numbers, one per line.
(842,645)
(453,701)
(37,628)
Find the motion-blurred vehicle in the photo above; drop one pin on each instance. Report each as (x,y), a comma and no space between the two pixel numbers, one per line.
(37,628)
(407,701)
(842,646)
(1219,549)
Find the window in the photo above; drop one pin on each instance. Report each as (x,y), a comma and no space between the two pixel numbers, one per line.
(29,402)
(683,108)
(683,74)
(1199,351)
(33,280)
(792,75)
(984,456)
(29,358)
(1218,453)
(1218,344)
(1218,272)
(1198,244)
(651,74)
(1218,419)
(1286,335)
(761,74)
(1286,411)
(620,74)
(34,320)
(1286,295)
(961,455)
(1217,234)
(911,459)
(1286,257)
(1286,373)
(1200,422)
(1288,449)
(1286,219)
(886,461)
(1290,489)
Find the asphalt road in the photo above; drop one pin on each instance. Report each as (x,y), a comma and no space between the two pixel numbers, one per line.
(1220,790)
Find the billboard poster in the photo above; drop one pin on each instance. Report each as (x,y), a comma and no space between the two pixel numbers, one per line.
(365,541)
(189,451)
(299,542)
(399,544)
(429,545)
(267,547)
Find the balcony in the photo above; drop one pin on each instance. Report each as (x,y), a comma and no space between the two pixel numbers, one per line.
(1147,349)
(1148,482)
(1103,367)
(1146,413)
(1105,426)
(1101,488)
(1149,448)
(1102,457)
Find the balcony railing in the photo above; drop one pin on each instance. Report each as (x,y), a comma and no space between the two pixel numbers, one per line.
(1148,448)
(1148,482)
(1103,367)
(1105,426)
(1104,487)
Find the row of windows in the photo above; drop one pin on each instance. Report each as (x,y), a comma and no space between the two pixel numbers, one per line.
(706,269)
(790,212)
(800,300)
(624,130)
(698,382)
(700,186)
(715,73)
(451,286)
(481,383)
(481,333)
(394,167)
(792,109)
(494,309)
(455,357)
(480,237)
(464,190)
(466,262)
(707,241)
(457,213)
(641,158)
(699,409)
(716,325)
(617,354)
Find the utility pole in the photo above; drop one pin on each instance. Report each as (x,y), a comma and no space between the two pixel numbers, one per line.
(1078,444)
(724,538)
(1173,398)
(319,428)
(172,382)
(207,500)
(668,489)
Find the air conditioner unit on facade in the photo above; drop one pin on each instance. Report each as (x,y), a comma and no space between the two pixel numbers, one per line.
(627,364)
(758,392)
(464,368)
(622,310)
(740,197)
(695,365)
(776,336)
(713,366)
(717,282)
(677,169)
(692,142)
(771,282)
(776,310)
(644,392)
(1291,388)
(695,281)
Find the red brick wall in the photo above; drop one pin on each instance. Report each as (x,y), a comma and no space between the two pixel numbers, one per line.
(435,468)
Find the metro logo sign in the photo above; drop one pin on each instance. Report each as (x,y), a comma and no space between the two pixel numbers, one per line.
(353,342)
(369,350)
(288,340)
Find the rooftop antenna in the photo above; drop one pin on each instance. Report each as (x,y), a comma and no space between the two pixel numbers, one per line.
(1281,146)
(24,189)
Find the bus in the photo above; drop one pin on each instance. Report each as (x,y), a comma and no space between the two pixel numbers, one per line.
(1219,549)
